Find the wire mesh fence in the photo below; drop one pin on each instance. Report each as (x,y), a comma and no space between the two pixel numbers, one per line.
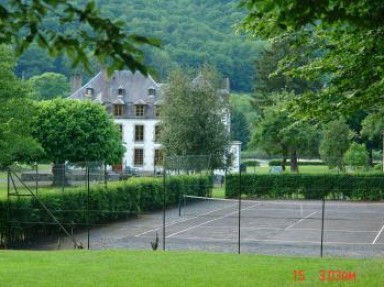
(165,213)
(312,164)
(290,227)
(65,175)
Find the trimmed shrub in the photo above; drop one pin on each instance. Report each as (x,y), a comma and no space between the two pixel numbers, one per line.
(73,208)
(354,187)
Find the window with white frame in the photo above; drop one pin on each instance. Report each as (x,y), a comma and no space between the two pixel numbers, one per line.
(159,159)
(138,156)
(89,92)
(157,133)
(139,111)
(139,133)
(118,110)
(152,92)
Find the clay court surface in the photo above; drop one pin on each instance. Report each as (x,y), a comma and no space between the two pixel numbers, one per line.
(353,229)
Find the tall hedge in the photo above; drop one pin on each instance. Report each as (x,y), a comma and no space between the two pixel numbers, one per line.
(74,209)
(354,187)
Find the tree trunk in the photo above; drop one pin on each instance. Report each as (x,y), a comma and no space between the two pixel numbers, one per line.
(294,164)
(382,163)
(284,162)
(59,176)
(370,153)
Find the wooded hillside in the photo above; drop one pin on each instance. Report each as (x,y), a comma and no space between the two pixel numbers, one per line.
(194,32)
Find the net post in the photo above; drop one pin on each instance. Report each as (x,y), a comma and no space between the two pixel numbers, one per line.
(185,204)
(179,205)
(322,227)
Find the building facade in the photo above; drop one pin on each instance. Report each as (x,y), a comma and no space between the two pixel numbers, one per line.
(134,101)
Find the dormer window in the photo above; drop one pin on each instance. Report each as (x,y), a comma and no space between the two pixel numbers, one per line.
(152,92)
(139,111)
(89,92)
(118,110)
(120,91)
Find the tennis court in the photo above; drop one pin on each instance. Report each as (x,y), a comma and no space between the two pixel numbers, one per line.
(288,227)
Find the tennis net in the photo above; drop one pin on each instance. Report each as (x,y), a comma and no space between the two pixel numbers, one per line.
(216,207)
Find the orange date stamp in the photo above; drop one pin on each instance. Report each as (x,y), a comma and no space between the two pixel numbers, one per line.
(326,275)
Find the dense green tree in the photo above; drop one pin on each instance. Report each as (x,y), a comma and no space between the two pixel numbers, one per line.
(372,132)
(273,90)
(272,70)
(44,22)
(279,134)
(271,18)
(373,126)
(192,114)
(239,128)
(49,86)
(356,155)
(193,33)
(34,61)
(76,131)
(16,142)
(243,104)
(350,58)
(334,143)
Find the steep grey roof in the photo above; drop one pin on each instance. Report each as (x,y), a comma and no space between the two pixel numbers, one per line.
(105,89)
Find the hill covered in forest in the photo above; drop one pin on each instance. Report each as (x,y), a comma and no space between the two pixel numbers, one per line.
(193,32)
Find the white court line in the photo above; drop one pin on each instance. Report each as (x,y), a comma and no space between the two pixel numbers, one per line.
(209,221)
(273,241)
(183,220)
(308,242)
(310,229)
(297,222)
(378,235)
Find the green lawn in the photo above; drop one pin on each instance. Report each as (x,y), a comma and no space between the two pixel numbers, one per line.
(309,169)
(305,169)
(147,268)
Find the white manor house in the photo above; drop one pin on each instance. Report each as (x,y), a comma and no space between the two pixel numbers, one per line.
(134,101)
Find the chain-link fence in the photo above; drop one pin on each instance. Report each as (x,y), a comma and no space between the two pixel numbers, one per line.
(355,164)
(66,175)
(195,207)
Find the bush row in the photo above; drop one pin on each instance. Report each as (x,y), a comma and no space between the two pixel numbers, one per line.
(355,187)
(74,209)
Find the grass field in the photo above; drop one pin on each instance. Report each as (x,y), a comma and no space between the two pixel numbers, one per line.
(143,268)
(306,169)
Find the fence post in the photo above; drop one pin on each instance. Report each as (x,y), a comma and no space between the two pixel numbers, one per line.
(8,240)
(37,177)
(63,175)
(88,229)
(105,175)
(164,173)
(239,231)
(322,226)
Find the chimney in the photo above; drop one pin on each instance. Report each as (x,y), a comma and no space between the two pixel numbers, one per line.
(76,82)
